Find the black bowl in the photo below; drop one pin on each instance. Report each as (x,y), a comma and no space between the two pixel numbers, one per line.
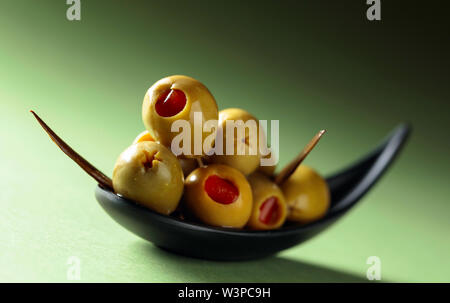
(206,242)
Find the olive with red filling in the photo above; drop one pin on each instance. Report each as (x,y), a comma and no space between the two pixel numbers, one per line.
(177,98)
(269,206)
(218,195)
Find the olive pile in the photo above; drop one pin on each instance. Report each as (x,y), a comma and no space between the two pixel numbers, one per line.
(226,191)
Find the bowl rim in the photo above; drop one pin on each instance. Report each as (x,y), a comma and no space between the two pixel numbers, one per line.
(115,198)
(380,158)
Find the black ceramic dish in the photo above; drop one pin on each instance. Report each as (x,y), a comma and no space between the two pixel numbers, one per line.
(201,241)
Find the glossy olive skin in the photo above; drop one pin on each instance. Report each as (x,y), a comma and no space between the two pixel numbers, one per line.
(246,163)
(144,136)
(187,164)
(307,195)
(211,212)
(262,189)
(198,99)
(148,173)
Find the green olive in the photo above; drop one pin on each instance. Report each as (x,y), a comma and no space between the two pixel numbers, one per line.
(219,195)
(248,162)
(148,173)
(269,206)
(187,164)
(178,98)
(144,136)
(307,195)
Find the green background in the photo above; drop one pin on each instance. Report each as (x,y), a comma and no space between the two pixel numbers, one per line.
(312,65)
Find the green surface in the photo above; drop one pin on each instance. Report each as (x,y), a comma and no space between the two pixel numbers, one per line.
(311,66)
